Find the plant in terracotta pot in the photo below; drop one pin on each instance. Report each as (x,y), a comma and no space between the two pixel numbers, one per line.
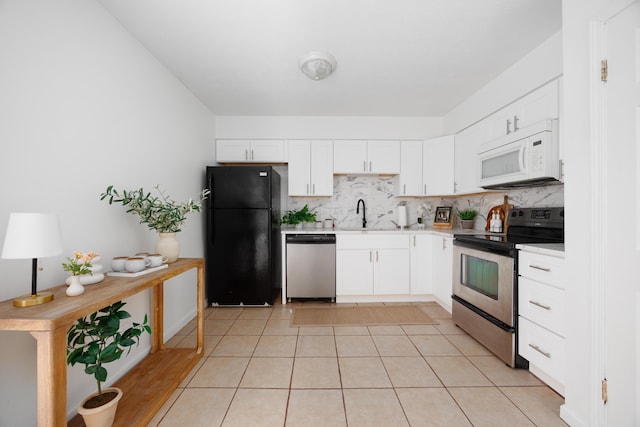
(160,213)
(297,217)
(93,341)
(467,217)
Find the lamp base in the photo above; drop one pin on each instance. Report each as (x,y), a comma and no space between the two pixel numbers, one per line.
(31,300)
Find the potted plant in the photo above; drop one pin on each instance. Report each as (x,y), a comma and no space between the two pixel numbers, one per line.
(467,217)
(160,213)
(93,341)
(297,217)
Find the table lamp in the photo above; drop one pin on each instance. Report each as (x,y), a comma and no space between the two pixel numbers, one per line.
(32,235)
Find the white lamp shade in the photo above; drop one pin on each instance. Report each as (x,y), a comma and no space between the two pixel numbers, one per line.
(32,235)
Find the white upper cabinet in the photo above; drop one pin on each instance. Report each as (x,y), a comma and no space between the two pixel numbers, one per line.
(410,180)
(427,167)
(250,151)
(366,157)
(539,105)
(438,166)
(310,168)
(466,157)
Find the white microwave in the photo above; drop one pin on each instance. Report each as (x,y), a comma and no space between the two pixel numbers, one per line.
(525,158)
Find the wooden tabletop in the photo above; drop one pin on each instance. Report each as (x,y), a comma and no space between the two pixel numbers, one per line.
(64,310)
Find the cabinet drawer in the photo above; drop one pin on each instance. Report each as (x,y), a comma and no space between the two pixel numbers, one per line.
(381,241)
(542,304)
(543,268)
(542,348)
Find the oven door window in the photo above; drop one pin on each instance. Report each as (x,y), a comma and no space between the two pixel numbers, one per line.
(479,274)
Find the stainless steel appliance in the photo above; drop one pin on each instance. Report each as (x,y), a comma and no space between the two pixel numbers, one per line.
(311,266)
(485,291)
(243,242)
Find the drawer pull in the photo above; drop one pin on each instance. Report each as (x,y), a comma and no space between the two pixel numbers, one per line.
(539,350)
(537,267)
(536,303)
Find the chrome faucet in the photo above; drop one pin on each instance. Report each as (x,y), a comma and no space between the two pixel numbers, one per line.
(364,214)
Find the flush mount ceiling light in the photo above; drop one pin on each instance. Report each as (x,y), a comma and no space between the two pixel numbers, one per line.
(317,65)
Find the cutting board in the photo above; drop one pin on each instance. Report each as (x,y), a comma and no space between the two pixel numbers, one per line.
(503,212)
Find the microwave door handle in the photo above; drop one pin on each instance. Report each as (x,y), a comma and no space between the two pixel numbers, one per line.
(523,156)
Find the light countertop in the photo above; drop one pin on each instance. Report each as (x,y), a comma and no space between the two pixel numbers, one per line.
(411,230)
(553,249)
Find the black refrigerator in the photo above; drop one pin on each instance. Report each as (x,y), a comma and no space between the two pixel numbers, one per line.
(243,243)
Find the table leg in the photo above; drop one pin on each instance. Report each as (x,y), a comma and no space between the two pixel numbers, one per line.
(200,312)
(157,328)
(52,376)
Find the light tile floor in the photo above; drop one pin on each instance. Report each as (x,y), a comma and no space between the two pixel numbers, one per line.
(259,371)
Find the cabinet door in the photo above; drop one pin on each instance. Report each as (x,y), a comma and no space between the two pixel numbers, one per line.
(349,156)
(421,263)
(443,269)
(267,151)
(354,272)
(299,168)
(391,272)
(466,158)
(384,157)
(321,168)
(437,166)
(233,150)
(539,105)
(410,179)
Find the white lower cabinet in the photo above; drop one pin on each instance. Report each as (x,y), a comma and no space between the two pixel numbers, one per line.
(541,314)
(421,264)
(442,258)
(372,265)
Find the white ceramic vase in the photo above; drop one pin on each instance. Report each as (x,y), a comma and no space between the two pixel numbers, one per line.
(168,246)
(75,287)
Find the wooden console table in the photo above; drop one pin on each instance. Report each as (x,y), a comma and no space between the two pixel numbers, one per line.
(164,367)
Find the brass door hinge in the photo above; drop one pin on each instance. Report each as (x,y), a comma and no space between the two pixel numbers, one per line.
(604,70)
(604,391)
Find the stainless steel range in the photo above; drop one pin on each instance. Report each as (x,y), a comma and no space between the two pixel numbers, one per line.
(485,278)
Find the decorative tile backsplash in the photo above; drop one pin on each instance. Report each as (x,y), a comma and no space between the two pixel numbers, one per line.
(378,195)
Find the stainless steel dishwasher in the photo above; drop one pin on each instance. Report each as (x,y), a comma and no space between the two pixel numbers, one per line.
(311,266)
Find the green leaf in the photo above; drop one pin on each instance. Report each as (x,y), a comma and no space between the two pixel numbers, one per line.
(101,374)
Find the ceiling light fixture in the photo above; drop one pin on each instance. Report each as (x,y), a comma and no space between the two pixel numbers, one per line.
(317,65)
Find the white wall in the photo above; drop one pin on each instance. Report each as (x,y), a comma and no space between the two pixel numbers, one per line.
(302,127)
(84,105)
(540,66)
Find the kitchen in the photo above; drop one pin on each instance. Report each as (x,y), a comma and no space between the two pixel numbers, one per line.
(73,98)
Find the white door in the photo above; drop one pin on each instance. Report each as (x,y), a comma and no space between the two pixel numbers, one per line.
(466,157)
(621,184)
(443,270)
(350,156)
(391,272)
(299,168)
(233,150)
(438,166)
(354,272)
(321,168)
(384,157)
(410,168)
(267,151)
(421,264)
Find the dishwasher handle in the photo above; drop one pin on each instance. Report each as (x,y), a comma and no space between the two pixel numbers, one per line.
(311,239)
